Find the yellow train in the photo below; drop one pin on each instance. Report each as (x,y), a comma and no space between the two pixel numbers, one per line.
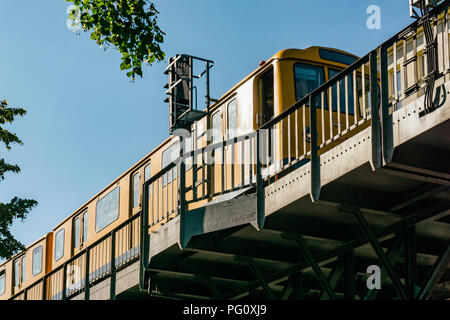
(274,86)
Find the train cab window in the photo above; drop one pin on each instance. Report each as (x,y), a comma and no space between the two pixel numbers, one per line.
(232,118)
(307,78)
(331,74)
(107,210)
(337,56)
(267,96)
(37,260)
(168,156)
(76,232)
(2,282)
(59,244)
(147,172)
(85,226)
(136,183)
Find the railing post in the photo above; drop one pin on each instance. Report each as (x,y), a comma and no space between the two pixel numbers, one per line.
(375,116)
(64,284)
(144,238)
(184,238)
(315,159)
(112,284)
(44,288)
(388,140)
(25,294)
(260,210)
(86,274)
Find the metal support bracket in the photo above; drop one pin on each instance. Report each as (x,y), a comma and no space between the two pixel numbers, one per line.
(378,249)
(211,285)
(333,278)
(435,275)
(267,291)
(392,254)
(310,259)
(410,249)
(293,288)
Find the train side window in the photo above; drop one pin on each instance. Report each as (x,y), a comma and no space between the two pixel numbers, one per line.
(331,74)
(76,232)
(267,96)
(107,210)
(232,119)
(136,183)
(2,282)
(217,127)
(37,260)
(85,226)
(307,78)
(147,172)
(59,244)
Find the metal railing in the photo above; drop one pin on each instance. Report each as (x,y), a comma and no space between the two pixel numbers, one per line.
(89,266)
(364,94)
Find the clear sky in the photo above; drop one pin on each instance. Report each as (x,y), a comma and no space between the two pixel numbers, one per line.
(87,123)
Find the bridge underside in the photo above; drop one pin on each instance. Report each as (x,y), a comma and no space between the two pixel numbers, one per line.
(394,217)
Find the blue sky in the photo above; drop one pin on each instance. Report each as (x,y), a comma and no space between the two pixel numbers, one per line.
(87,123)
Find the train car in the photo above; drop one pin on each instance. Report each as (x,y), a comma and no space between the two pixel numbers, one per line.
(25,270)
(265,93)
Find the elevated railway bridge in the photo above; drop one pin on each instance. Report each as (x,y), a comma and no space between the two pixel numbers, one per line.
(309,226)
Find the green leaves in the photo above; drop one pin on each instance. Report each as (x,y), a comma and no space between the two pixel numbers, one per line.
(130,26)
(17,208)
(7,115)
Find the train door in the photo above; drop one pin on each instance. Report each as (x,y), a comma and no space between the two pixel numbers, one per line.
(232,167)
(218,182)
(79,234)
(266,112)
(19,273)
(267,102)
(75,270)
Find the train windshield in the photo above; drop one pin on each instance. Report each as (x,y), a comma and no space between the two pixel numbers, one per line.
(307,78)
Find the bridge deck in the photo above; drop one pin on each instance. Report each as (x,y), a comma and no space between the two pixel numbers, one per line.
(227,256)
